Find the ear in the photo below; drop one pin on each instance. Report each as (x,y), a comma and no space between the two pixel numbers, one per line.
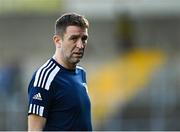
(57,41)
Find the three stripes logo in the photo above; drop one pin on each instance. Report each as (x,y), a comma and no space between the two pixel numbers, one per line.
(37,96)
(45,75)
(36,109)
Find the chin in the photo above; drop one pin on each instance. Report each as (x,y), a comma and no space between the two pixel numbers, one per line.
(75,61)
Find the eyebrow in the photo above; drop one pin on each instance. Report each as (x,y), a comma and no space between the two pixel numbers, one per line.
(77,36)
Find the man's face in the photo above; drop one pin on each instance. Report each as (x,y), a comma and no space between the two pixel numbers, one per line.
(73,44)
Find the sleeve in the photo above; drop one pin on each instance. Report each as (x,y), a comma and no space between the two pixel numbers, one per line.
(38,99)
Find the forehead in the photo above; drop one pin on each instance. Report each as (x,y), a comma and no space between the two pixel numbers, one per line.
(75,30)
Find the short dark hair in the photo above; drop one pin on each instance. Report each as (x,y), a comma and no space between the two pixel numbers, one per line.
(70,19)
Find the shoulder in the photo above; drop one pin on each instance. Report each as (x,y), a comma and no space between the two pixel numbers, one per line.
(45,74)
(82,72)
(80,68)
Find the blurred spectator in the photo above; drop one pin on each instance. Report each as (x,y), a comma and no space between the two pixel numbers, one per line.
(10,78)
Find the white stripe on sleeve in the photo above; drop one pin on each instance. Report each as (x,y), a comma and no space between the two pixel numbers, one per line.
(38,72)
(51,77)
(41,76)
(37,110)
(41,110)
(46,75)
(30,108)
(34,109)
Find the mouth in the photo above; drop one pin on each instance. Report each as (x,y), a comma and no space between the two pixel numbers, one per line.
(78,54)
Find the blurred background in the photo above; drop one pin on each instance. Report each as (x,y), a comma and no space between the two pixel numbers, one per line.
(132,59)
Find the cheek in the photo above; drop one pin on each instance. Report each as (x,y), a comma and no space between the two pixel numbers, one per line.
(71,47)
(68,48)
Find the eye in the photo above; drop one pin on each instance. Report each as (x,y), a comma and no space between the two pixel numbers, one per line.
(84,39)
(74,38)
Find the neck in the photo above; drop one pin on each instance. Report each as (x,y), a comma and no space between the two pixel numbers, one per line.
(62,63)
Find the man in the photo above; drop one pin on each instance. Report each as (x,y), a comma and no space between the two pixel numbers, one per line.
(58,98)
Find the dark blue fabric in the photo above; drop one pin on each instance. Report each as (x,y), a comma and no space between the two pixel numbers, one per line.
(66,104)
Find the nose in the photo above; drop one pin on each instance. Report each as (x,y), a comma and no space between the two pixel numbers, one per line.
(80,44)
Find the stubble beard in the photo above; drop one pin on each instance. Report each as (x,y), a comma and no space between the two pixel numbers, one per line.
(72,60)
